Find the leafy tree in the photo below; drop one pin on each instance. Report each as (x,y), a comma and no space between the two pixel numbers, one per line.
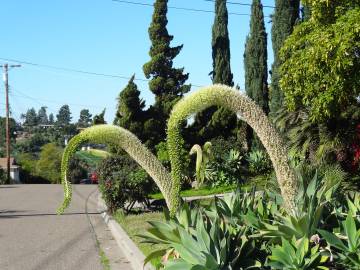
(255,60)
(99,119)
(321,61)
(84,119)
(28,172)
(325,11)
(49,164)
(167,83)
(42,116)
(217,121)
(33,144)
(31,118)
(283,21)
(63,118)
(130,107)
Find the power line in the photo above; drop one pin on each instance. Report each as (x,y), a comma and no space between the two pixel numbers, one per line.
(178,8)
(239,4)
(22,95)
(22,108)
(69,69)
(77,70)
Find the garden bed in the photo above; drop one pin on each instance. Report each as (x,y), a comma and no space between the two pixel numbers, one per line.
(203,191)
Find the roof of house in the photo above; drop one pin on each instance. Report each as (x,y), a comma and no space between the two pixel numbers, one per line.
(3,162)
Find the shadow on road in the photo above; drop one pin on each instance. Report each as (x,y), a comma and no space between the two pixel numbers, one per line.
(12,214)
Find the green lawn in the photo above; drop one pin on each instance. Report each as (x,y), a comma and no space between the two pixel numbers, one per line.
(198,192)
(135,224)
(93,156)
(98,153)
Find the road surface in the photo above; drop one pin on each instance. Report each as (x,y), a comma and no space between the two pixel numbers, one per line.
(33,237)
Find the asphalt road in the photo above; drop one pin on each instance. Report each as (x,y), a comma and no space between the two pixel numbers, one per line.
(33,237)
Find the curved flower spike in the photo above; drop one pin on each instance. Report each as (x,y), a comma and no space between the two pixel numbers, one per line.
(244,107)
(119,137)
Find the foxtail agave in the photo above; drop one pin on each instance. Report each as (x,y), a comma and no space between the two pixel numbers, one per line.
(252,114)
(203,156)
(218,95)
(119,137)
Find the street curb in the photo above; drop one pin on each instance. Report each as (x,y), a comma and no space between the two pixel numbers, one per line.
(131,251)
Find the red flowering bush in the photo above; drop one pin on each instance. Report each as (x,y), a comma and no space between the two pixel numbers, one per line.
(122,182)
(356,150)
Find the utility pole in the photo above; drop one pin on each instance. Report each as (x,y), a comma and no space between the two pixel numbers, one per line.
(6,82)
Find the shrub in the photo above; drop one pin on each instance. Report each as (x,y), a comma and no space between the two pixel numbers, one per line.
(323,233)
(227,170)
(33,144)
(296,254)
(122,182)
(221,147)
(28,171)
(195,242)
(259,162)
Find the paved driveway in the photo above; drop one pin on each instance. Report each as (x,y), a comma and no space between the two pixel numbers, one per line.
(33,237)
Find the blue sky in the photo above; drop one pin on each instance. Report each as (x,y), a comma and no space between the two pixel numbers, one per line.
(108,37)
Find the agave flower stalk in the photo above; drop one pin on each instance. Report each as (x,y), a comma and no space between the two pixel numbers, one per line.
(122,138)
(251,113)
(203,156)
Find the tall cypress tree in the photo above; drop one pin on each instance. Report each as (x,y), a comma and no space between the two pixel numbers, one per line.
(255,58)
(283,21)
(255,61)
(221,46)
(130,107)
(217,121)
(167,83)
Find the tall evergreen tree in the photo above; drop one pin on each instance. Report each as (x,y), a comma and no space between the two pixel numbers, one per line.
(255,58)
(30,118)
(215,121)
(130,114)
(85,118)
(99,119)
(167,83)
(42,116)
(255,61)
(51,119)
(63,118)
(221,46)
(283,21)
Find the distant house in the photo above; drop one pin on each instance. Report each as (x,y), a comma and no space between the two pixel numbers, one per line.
(14,169)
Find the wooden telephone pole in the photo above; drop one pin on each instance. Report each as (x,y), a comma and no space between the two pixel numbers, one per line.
(6,82)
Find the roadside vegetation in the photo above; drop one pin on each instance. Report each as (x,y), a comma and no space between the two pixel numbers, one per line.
(286,154)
